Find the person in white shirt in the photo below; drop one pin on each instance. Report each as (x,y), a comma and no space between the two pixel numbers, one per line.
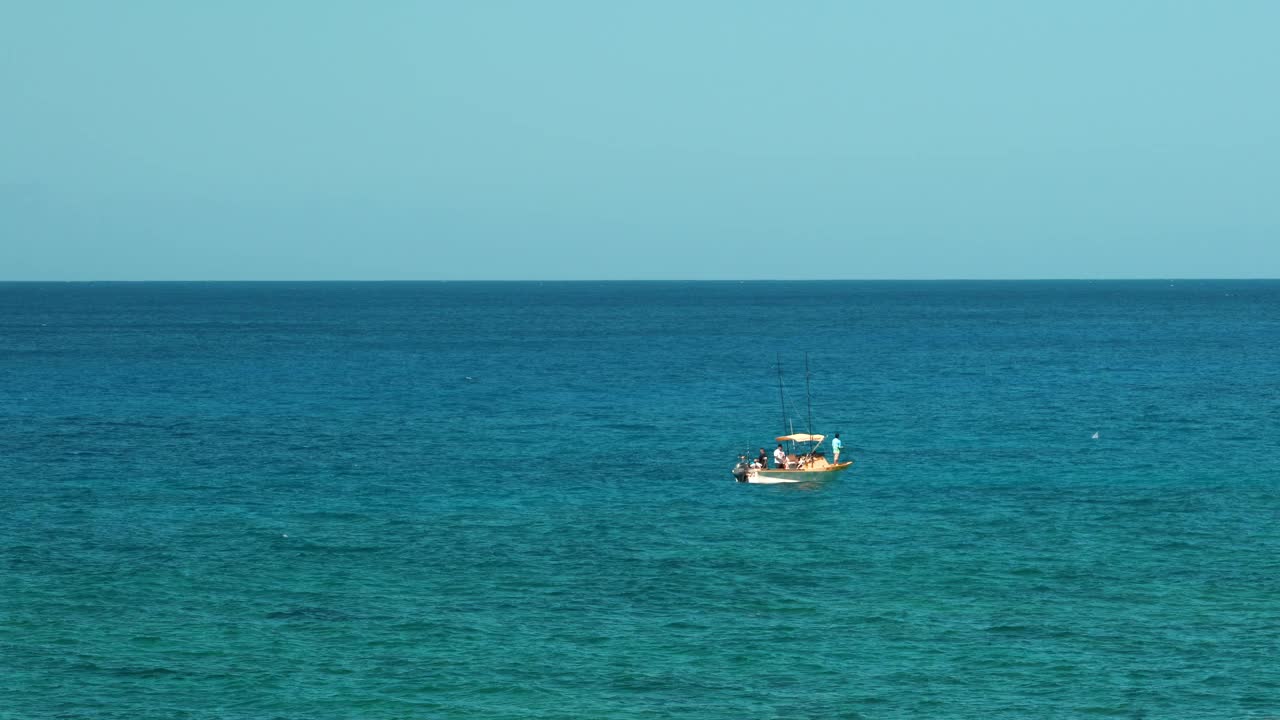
(780,458)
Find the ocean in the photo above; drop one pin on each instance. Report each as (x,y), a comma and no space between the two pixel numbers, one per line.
(253,501)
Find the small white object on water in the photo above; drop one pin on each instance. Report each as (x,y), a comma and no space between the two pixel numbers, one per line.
(286,535)
(1095,434)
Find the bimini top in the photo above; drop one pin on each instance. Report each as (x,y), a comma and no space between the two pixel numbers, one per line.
(801,437)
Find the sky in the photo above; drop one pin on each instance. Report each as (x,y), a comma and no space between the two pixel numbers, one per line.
(715,139)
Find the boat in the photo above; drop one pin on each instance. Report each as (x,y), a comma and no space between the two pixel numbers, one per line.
(806,465)
(801,467)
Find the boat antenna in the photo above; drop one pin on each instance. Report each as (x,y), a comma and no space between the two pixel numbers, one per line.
(808,404)
(782,398)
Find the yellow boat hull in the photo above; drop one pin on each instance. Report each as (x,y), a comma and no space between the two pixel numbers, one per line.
(776,476)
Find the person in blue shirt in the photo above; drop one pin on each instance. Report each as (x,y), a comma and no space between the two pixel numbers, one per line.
(835,448)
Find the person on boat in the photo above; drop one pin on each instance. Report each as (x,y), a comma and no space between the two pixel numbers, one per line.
(835,449)
(763,459)
(780,458)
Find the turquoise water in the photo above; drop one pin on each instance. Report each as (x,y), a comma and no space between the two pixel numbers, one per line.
(513,500)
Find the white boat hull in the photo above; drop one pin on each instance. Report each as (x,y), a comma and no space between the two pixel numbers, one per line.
(766,480)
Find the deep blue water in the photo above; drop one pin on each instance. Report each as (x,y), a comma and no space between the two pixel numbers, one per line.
(512,500)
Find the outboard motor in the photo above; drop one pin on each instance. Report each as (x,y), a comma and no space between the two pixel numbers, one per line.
(740,470)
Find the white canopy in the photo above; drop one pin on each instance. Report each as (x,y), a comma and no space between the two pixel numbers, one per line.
(802,437)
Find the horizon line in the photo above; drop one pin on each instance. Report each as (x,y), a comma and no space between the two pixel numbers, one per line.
(654,280)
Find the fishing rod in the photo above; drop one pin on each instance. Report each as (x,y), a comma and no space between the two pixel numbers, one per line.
(808,403)
(782,398)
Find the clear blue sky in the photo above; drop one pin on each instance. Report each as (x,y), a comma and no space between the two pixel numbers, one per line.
(152,139)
